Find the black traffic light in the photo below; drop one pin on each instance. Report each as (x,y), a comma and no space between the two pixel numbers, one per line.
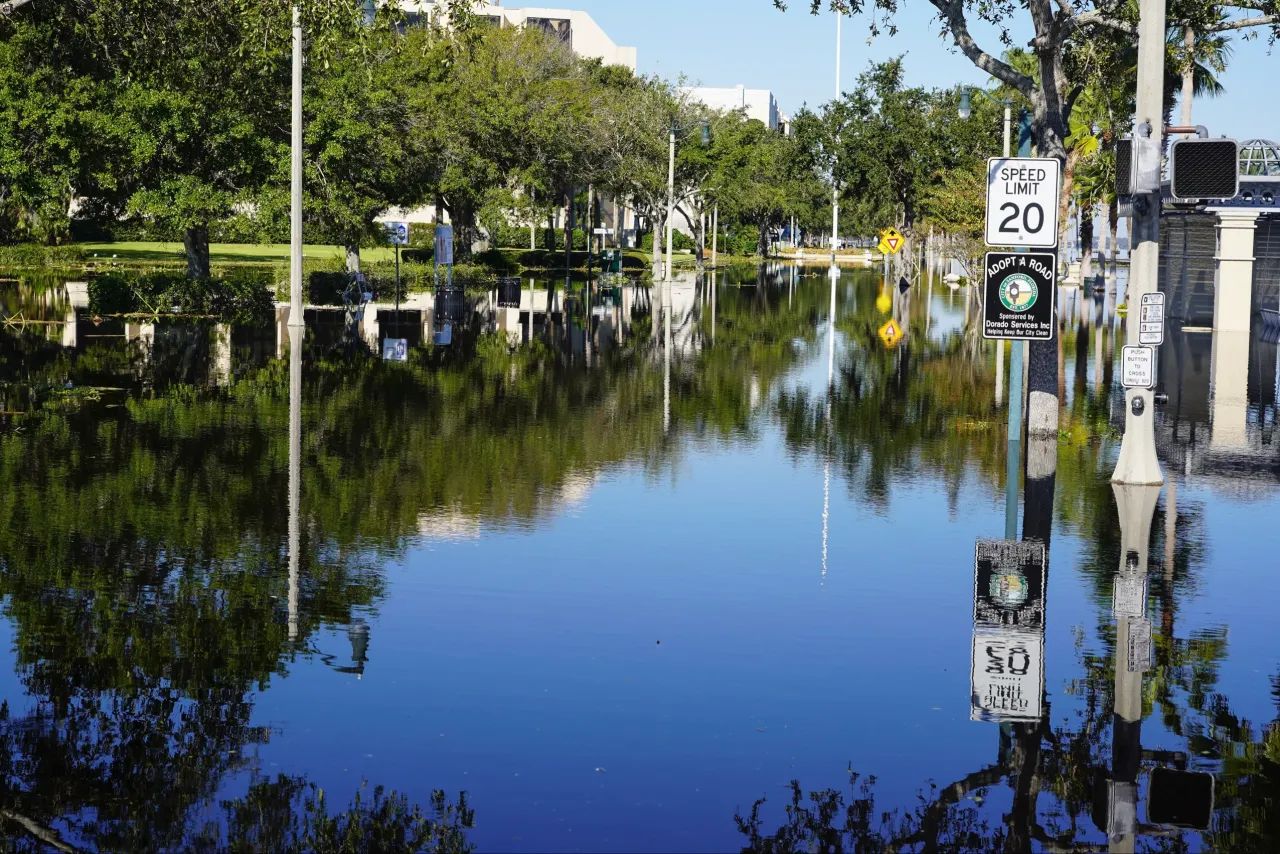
(1124,167)
(1204,169)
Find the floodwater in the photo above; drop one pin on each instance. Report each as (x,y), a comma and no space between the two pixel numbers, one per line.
(629,577)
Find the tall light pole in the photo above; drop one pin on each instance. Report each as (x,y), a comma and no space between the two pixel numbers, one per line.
(671,199)
(295,194)
(835,187)
(1138,463)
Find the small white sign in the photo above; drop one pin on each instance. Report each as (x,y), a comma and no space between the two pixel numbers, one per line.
(602,231)
(397,233)
(1022,201)
(1007,675)
(1139,657)
(395,349)
(1151,319)
(1129,595)
(1138,367)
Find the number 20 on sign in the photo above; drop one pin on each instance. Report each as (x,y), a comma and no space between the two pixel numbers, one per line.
(1022,201)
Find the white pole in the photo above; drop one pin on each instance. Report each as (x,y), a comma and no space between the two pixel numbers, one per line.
(835,189)
(1008,123)
(671,198)
(295,472)
(715,233)
(295,203)
(1138,463)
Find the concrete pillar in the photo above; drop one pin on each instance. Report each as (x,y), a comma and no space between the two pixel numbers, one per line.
(1229,387)
(1233,284)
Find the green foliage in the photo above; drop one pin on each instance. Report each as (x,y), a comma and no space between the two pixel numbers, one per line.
(27,256)
(682,242)
(243,297)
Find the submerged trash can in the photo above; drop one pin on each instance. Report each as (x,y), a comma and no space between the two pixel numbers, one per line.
(509,292)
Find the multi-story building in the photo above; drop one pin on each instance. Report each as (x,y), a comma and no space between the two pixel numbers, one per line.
(577,29)
(758,104)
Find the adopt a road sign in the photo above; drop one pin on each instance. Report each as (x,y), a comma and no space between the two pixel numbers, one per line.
(891,333)
(1006,675)
(1022,201)
(891,241)
(1137,366)
(397,233)
(1151,319)
(1008,583)
(1019,296)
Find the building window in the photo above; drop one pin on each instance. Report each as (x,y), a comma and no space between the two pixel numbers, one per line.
(412,19)
(558,28)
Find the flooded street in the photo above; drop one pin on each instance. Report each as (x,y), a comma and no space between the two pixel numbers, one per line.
(622,573)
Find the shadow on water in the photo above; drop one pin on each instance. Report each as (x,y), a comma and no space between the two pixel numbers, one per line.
(156,584)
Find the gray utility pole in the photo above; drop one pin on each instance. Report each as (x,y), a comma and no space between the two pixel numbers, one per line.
(671,198)
(295,195)
(835,188)
(1138,463)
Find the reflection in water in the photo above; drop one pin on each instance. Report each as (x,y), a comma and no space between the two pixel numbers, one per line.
(160,602)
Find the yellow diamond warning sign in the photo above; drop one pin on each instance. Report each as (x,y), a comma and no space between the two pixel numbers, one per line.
(891,333)
(891,240)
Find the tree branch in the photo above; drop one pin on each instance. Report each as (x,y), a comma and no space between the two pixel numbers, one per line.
(8,7)
(1245,23)
(1097,18)
(952,14)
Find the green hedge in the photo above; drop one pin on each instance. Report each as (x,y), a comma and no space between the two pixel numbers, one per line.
(31,256)
(243,297)
(682,241)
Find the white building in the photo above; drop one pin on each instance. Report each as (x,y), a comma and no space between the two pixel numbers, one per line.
(758,104)
(578,29)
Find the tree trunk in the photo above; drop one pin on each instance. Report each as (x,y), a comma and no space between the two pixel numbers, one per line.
(196,243)
(353,257)
(762,242)
(1188,75)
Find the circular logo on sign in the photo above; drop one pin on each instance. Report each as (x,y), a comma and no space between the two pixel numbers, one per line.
(1009,590)
(1018,292)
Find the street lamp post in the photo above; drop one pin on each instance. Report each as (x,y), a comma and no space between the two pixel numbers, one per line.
(835,187)
(295,194)
(671,199)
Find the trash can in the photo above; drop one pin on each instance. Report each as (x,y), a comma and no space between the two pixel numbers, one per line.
(509,292)
(611,261)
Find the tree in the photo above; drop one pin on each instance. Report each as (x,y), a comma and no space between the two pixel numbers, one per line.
(360,156)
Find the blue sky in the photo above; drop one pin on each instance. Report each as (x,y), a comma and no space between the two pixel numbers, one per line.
(726,42)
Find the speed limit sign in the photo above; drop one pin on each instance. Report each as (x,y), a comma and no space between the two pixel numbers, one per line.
(1022,201)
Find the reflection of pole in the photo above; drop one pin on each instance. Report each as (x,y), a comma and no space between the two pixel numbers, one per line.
(666,356)
(831,376)
(295,471)
(1136,506)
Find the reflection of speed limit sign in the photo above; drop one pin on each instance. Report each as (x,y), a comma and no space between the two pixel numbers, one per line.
(1022,201)
(1007,678)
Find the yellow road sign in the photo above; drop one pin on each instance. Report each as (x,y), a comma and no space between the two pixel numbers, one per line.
(891,333)
(891,241)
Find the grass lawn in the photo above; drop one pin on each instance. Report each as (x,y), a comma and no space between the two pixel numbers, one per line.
(224,253)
